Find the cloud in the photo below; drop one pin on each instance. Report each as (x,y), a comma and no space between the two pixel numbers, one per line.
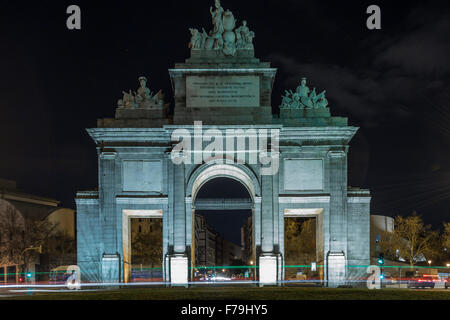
(359,93)
(422,50)
(399,76)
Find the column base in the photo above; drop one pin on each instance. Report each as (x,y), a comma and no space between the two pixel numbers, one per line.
(336,267)
(178,264)
(110,268)
(268,269)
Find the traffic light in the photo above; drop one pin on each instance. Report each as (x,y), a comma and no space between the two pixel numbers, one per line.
(381,276)
(29,275)
(380,259)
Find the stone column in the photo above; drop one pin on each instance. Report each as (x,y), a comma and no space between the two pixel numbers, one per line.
(178,259)
(257,224)
(337,254)
(267,214)
(189,229)
(268,259)
(110,260)
(179,209)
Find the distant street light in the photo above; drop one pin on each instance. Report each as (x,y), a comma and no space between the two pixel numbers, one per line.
(251,262)
(448,265)
(429,263)
(39,249)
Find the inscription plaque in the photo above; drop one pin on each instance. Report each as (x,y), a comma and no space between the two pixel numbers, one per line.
(222,91)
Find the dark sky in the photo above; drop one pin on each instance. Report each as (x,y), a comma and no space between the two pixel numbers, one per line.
(393,83)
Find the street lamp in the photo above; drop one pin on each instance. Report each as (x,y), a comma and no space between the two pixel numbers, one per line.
(30,248)
(448,265)
(429,263)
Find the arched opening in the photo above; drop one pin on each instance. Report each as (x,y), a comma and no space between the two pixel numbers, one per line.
(142,245)
(223,246)
(303,245)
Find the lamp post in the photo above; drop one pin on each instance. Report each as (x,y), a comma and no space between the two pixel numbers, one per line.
(254,270)
(27,249)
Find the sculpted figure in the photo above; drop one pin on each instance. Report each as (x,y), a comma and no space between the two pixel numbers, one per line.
(246,35)
(218,43)
(302,98)
(296,103)
(313,96)
(286,100)
(229,37)
(143,93)
(217,19)
(196,39)
(303,89)
(239,41)
(158,99)
(129,100)
(209,43)
(204,36)
(322,102)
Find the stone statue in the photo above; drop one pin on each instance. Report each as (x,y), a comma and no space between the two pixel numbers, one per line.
(196,39)
(286,100)
(204,37)
(217,19)
(322,101)
(218,43)
(229,37)
(313,95)
(223,36)
(246,36)
(143,93)
(128,100)
(303,89)
(302,98)
(143,98)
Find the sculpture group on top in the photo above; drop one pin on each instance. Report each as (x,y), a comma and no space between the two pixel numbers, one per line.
(143,98)
(224,35)
(303,98)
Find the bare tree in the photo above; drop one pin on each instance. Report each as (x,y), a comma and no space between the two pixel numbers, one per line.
(18,235)
(59,246)
(12,234)
(411,240)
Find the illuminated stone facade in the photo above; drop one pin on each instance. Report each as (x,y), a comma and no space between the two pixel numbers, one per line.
(137,177)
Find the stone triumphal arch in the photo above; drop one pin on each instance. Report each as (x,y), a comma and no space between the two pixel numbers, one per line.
(222,87)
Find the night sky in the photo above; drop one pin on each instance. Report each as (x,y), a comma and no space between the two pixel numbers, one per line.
(393,83)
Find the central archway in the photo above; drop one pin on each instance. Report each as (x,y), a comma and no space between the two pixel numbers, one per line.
(207,172)
(206,176)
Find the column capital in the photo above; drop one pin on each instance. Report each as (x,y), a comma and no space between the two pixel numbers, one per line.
(108,155)
(336,154)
